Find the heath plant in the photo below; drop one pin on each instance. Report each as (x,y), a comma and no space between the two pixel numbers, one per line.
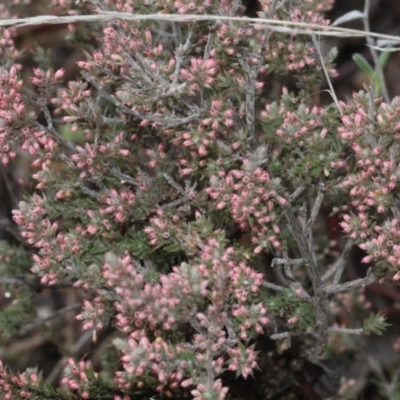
(177,187)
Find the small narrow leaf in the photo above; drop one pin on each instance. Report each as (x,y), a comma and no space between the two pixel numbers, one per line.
(387,43)
(375,323)
(384,57)
(350,16)
(363,64)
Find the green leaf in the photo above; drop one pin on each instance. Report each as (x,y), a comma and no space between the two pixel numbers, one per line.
(384,57)
(172,248)
(376,324)
(363,64)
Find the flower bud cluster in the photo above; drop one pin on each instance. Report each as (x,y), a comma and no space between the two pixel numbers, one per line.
(249,196)
(160,166)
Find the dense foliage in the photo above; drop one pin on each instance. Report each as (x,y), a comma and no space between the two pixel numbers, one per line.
(179,193)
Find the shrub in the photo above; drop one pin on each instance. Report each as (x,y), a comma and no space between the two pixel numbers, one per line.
(179,194)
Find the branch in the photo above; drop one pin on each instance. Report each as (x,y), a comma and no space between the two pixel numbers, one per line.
(294,261)
(297,193)
(317,205)
(356,331)
(328,79)
(8,226)
(299,236)
(339,265)
(40,321)
(250,78)
(272,286)
(166,122)
(370,278)
(319,299)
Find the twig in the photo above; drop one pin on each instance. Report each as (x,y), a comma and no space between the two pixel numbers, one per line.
(339,265)
(40,321)
(317,206)
(356,331)
(76,349)
(297,193)
(177,187)
(370,278)
(89,192)
(60,139)
(272,286)
(232,338)
(319,299)
(166,122)
(279,336)
(301,240)
(328,78)
(293,261)
(8,226)
(116,173)
(277,25)
(175,203)
(288,275)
